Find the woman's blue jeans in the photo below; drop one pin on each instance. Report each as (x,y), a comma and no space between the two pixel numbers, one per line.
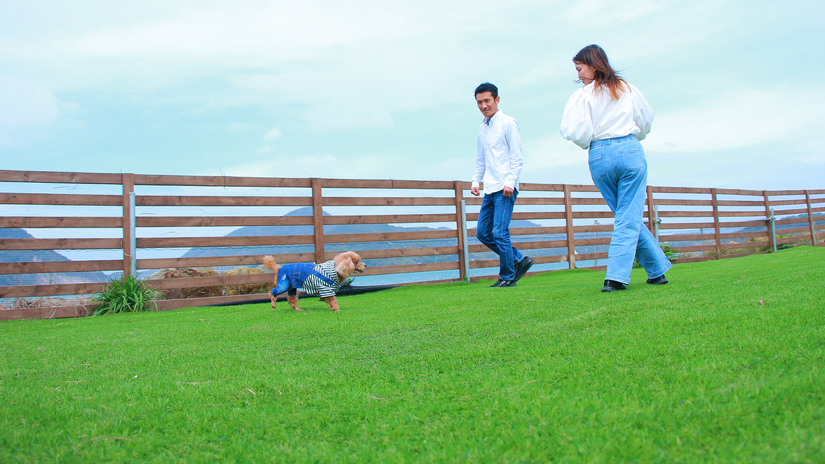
(493,230)
(619,170)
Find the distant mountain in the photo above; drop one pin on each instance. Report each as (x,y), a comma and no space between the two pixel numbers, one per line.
(39,256)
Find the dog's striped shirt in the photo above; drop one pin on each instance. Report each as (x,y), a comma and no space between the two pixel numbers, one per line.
(323,281)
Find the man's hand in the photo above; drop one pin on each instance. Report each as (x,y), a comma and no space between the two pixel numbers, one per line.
(474,191)
(508,192)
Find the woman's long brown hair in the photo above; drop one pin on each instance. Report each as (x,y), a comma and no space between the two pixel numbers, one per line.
(595,57)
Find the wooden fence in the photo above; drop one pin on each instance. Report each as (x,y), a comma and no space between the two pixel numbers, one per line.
(65,235)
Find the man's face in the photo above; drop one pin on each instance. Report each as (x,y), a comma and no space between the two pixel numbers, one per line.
(487,104)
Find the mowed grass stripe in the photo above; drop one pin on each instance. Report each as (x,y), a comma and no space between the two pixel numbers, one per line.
(724,363)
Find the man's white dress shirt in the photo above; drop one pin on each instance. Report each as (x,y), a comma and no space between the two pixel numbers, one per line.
(498,156)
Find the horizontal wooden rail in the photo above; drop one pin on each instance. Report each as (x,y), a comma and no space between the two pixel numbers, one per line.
(60,177)
(219,181)
(59,266)
(60,222)
(217,261)
(53,312)
(408,268)
(159,200)
(379,201)
(389,219)
(687,225)
(59,243)
(677,202)
(222,221)
(402,252)
(686,237)
(391,236)
(754,193)
(196,242)
(210,281)
(56,199)
(680,190)
(26,291)
(386,184)
(591,256)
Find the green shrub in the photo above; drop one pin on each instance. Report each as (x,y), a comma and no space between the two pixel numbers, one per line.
(669,252)
(126,295)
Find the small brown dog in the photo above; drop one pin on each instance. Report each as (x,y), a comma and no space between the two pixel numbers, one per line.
(322,279)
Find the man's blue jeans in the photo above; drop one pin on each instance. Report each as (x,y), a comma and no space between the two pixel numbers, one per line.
(619,170)
(493,230)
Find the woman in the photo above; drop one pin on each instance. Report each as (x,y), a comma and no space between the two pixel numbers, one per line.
(609,116)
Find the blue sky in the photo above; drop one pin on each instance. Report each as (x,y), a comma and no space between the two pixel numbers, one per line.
(376,89)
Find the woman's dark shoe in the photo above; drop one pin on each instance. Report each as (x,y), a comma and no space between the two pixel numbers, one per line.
(613,286)
(661,280)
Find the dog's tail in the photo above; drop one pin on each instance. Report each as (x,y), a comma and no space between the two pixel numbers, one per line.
(269,263)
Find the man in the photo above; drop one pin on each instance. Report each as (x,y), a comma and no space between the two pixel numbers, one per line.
(498,165)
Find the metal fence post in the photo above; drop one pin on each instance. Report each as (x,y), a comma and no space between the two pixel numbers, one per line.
(810,218)
(128,183)
(461,229)
(768,215)
(656,222)
(466,247)
(132,235)
(596,223)
(717,228)
(772,220)
(568,219)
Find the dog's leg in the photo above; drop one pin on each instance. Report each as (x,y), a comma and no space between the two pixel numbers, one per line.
(272,300)
(293,301)
(331,301)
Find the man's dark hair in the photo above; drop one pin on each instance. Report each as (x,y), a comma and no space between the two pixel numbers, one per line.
(487,87)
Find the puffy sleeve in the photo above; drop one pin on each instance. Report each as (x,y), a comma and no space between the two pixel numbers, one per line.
(577,122)
(642,113)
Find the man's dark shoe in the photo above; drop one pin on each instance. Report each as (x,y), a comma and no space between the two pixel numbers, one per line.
(504,283)
(661,280)
(522,267)
(613,286)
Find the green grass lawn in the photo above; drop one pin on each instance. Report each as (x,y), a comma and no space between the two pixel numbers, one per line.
(724,364)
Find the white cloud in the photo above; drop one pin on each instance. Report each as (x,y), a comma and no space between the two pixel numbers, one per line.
(273,134)
(740,118)
(369,166)
(25,104)
(240,127)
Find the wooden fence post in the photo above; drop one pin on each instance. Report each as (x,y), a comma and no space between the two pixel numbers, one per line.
(717,231)
(810,218)
(459,195)
(568,219)
(128,182)
(650,216)
(318,220)
(771,245)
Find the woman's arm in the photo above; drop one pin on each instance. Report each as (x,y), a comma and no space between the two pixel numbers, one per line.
(577,122)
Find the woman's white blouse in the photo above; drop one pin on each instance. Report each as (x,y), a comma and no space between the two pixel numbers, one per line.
(591,115)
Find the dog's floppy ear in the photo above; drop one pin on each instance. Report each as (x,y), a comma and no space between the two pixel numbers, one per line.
(344,266)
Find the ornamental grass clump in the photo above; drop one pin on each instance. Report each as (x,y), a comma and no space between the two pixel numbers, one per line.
(126,295)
